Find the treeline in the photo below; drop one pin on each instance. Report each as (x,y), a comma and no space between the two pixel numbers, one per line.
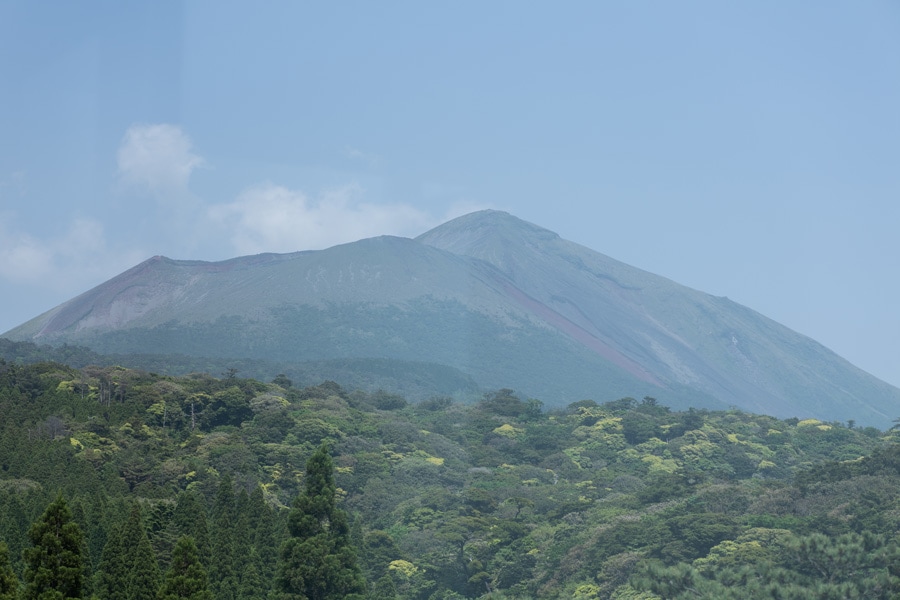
(414,379)
(499,499)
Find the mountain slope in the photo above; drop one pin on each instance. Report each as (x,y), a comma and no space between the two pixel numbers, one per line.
(678,334)
(504,301)
(383,298)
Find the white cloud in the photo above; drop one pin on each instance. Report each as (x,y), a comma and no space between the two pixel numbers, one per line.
(263,218)
(271,218)
(157,157)
(51,266)
(70,263)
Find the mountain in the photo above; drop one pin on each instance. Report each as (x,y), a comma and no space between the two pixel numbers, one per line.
(501,301)
(681,336)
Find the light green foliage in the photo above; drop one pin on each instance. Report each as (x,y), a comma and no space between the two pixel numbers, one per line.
(801,567)
(407,580)
(729,554)
(507,430)
(587,591)
(626,592)
(657,464)
(697,451)
(755,546)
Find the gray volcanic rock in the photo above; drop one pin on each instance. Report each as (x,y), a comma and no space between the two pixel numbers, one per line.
(500,300)
(646,323)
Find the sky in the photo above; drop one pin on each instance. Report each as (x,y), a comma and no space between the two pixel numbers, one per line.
(748,150)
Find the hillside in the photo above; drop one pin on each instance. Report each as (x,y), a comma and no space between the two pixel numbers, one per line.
(625,499)
(498,300)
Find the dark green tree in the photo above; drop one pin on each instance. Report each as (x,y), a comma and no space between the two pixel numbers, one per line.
(252,586)
(131,536)
(96,511)
(128,567)
(262,522)
(53,563)
(242,536)
(189,518)
(282,380)
(112,574)
(14,528)
(503,402)
(143,579)
(81,517)
(186,577)
(223,579)
(9,584)
(379,549)
(318,562)
(383,589)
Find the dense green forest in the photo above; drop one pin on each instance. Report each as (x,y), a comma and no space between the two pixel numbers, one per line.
(215,487)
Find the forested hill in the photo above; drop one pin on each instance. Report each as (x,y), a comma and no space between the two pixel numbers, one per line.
(500,499)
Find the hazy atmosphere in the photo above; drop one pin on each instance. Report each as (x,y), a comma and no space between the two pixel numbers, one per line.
(746,151)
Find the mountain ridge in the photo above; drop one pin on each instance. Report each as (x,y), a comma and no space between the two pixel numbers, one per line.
(507,302)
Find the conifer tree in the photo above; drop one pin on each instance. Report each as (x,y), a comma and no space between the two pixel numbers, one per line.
(222,573)
(53,563)
(224,502)
(265,549)
(256,509)
(189,518)
(241,534)
(223,576)
(80,516)
(9,584)
(132,532)
(252,586)
(111,575)
(132,535)
(14,529)
(95,538)
(318,561)
(128,568)
(186,577)
(143,579)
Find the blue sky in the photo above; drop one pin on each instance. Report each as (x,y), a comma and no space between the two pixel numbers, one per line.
(748,150)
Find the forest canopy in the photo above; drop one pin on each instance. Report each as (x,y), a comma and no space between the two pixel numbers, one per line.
(174,481)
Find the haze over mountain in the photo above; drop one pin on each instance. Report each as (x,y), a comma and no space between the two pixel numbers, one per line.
(502,301)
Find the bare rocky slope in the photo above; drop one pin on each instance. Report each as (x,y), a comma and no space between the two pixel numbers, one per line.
(503,301)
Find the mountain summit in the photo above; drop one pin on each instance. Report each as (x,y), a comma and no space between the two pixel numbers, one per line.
(506,302)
